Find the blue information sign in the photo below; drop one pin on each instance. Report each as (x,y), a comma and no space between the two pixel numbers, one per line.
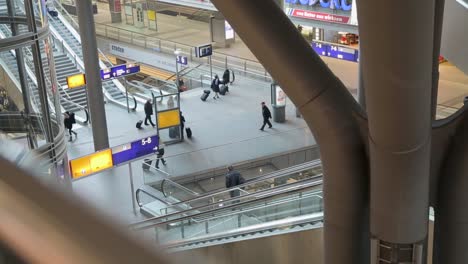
(182,60)
(335,51)
(119,71)
(139,148)
(320,48)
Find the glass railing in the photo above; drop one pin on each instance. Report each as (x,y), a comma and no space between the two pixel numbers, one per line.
(291,200)
(269,181)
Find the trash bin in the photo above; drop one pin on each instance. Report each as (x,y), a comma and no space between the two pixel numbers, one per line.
(279,114)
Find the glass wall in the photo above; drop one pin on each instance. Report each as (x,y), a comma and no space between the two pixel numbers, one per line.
(30,111)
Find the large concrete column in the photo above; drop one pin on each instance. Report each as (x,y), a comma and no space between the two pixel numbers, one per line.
(451,215)
(93,76)
(398,99)
(330,111)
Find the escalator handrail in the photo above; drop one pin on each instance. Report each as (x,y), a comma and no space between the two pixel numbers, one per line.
(279,191)
(137,196)
(271,175)
(263,206)
(291,221)
(178,186)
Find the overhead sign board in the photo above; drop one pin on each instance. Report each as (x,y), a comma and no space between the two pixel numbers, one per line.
(119,71)
(91,163)
(76,81)
(106,159)
(135,149)
(203,50)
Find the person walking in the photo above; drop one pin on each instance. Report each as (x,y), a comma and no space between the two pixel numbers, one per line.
(182,123)
(266,116)
(149,113)
(233,179)
(160,155)
(68,121)
(215,86)
(226,77)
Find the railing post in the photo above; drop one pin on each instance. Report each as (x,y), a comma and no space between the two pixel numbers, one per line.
(239,224)
(245,67)
(207,230)
(191,54)
(225,62)
(183,229)
(159,44)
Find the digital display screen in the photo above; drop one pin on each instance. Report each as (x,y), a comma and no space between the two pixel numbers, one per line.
(203,51)
(135,149)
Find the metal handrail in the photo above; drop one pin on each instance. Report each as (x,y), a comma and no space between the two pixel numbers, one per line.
(280,191)
(137,196)
(292,221)
(185,189)
(263,206)
(272,175)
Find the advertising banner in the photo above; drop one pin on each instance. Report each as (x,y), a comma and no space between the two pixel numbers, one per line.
(319,16)
(333,11)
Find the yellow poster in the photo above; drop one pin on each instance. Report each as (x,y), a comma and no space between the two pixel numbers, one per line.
(152,15)
(168,119)
(75,81)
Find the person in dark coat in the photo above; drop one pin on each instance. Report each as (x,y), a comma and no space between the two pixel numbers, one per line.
(226,77)
(266,116)
(160,155)
(233,179)
(182,124)
(215,86)
(149,113)
(68,121)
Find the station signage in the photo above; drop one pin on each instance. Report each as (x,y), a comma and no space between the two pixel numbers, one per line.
(116,156)
(119,71)
(182,60)
(136,149)
(335,51)
(91,163)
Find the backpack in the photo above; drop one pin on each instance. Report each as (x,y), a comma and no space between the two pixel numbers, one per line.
(72,118)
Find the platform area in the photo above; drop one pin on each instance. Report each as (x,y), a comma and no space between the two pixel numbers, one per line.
(225,131)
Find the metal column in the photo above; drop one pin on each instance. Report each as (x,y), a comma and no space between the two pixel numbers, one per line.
(93,78)
(22,78)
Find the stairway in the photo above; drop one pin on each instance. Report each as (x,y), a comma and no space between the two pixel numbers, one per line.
(75,45)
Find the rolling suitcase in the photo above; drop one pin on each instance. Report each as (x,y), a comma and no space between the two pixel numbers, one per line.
(146,164)
(224,89)
(205,95)
(188,131)
(139,123)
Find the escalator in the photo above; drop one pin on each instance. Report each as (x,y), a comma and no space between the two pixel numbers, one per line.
(270,205)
